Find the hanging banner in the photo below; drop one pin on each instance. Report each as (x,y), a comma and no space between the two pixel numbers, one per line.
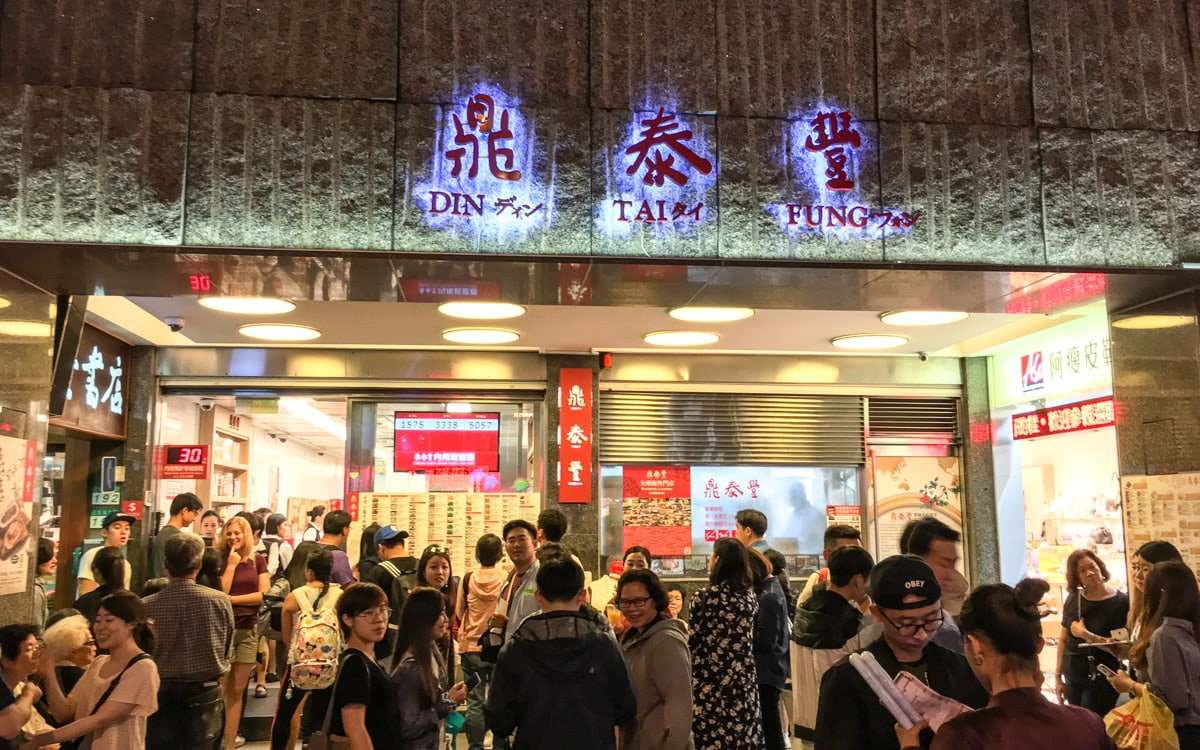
(575,435)
(904,488)
(656,509)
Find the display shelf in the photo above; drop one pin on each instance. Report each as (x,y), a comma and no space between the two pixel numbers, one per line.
(229,438)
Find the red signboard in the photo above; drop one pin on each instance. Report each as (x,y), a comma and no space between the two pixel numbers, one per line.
(575,435)
(1033,372)
(133,508)
(1087,415)
(656,509)
(429,440)
(185,462)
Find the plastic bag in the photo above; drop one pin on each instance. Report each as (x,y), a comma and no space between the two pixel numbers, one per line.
(1144,723)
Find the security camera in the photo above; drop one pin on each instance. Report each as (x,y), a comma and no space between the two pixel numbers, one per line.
(206,404)
(923,356)
(283,440)
(175,324)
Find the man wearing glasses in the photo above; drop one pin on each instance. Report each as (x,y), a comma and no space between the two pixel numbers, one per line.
(907,603)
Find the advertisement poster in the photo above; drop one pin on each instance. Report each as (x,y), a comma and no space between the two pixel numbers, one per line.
(1163,507)
(845,515)
(657,509)
(17,464)
(908,487)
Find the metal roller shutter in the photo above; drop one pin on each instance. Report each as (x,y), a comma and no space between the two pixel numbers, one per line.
(730,429)
(909,420)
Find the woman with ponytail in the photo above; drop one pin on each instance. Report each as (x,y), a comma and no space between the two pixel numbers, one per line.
(118,691)
(1002,634)
(1166,653)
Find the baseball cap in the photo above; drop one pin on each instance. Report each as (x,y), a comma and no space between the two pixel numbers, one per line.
(388,533)
(115,516)
(901,576)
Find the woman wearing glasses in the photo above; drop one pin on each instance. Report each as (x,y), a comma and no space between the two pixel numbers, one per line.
(660,666)
(1147,556)
(434,571)
(725,714)
(421,676)
(363,696)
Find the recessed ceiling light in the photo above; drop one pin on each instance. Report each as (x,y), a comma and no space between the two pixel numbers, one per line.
(25,328)
(480,335)
(710,314)
(248,305)
(458,407)
(5,302)
(864,341)
(279,332)
(923,317)
(481,310)
(1152,322)
(680,338)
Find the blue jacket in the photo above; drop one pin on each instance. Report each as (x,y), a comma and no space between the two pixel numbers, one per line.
(771,626)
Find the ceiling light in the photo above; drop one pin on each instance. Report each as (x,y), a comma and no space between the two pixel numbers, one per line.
(458,407)
(25,328)
(680,338)
(480,335)
(923,317)
(314,416)
(1152,322)
(279,332)
(248,305)
(710,314)
(481,310)
(5,302)
(865,341)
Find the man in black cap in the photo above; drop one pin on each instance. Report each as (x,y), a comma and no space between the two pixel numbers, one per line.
(907,602)
(115,530)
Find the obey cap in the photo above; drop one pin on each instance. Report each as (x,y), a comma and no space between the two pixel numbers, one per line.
(902,576)
(115,516)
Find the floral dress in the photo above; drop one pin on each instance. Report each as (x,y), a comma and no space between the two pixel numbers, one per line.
(725,710)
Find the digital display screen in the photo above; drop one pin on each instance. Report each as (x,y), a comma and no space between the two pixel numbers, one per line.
(428,441)
(184,462)
(187,454)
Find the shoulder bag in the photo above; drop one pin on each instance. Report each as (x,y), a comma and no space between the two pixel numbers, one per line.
(85,742)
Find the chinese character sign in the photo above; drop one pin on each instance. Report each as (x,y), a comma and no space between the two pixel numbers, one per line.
(1086,415)
(575,435)
(660,175)
(483,183)
(827,153)
(95,398)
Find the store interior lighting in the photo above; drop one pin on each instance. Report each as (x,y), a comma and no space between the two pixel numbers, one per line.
(680,338)
(5,302)
(458,407)
(710,314)
(279,332)
(1153,322)
(923,317)
(869,341)
(301,408)
(248,305)
(480,335)
(25,328)
(481,310)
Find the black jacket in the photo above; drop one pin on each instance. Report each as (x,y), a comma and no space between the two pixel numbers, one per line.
(561,682)
(850,716)
(826,620)
(771,662)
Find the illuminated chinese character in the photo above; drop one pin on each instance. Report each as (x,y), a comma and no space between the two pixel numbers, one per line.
(733,490)
(711,489)
(834,133)
(1106,350)
(662,130)
(575,467)
(1073,360)
(576,436)
(752,485)
(1091,354)
(95,361)
(113,395)
(481,113)
(576,400)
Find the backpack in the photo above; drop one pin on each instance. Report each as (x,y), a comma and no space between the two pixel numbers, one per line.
(316,642)
(270,612)
(403,581)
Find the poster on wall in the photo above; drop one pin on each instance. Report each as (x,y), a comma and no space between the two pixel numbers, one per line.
(17,463)
(904,488)
(1163,507)
(657,509)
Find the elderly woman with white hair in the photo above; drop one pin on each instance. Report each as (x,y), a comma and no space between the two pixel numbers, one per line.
(70,644)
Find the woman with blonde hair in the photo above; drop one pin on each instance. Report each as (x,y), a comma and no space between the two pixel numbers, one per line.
(1166,653)
(244,579)
(71,648)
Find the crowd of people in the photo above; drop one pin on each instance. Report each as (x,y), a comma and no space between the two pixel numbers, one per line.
(398,652)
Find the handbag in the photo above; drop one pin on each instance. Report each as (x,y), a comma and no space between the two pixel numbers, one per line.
(322,739)
(85,742)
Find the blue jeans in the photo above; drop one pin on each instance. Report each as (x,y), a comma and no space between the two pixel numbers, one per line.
(475,729)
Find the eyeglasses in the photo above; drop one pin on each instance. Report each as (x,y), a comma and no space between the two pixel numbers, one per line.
(378,613)
(907,630)
(635,603)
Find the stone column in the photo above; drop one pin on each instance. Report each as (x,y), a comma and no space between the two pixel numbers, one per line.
(141,403)
(583,535)
(978,474)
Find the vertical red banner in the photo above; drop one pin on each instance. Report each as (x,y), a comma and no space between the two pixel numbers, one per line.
(575,435)
(30,468)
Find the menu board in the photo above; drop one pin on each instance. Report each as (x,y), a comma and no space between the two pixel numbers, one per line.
(1163,507)
(451,519)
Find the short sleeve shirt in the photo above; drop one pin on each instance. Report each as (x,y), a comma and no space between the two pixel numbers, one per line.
(138,686)
(1100,617)
(245,581)
(158,561)
(364,683)
(85,567)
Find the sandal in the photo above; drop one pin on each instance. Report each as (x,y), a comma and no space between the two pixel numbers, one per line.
(260,691)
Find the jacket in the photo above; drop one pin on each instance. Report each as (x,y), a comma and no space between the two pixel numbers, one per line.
(771,628)
(475,607)
(1020,718)
(1172,664)
(560,682)
(827,628)
(661,667)
(419,719)
(850,716)
(826,620)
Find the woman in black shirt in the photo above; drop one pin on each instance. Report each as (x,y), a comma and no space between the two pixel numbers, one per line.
(1092,611)
(363,695)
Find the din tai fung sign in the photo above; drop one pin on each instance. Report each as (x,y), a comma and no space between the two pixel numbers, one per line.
(491,175)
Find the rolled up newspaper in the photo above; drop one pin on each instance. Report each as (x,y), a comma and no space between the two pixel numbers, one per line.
(883,687)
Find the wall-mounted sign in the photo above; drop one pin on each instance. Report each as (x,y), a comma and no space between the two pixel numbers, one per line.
(831,148)
(664,172)
(185,462)
(575,435)
(1086,415)
(434,290)
(1071,361)
(427,441)
(484,182)
(656,509)
(96,397)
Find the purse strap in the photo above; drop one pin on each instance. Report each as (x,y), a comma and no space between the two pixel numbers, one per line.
(333,693)
(113,685)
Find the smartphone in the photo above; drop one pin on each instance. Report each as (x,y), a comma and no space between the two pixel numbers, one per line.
(1105,670)
(472,680)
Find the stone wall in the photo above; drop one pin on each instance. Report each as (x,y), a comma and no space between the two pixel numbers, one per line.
(1026,132)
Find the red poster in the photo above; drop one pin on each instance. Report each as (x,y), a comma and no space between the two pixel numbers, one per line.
(133,508)
(353,506)
(575,435)
(31,447)
(656,509)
